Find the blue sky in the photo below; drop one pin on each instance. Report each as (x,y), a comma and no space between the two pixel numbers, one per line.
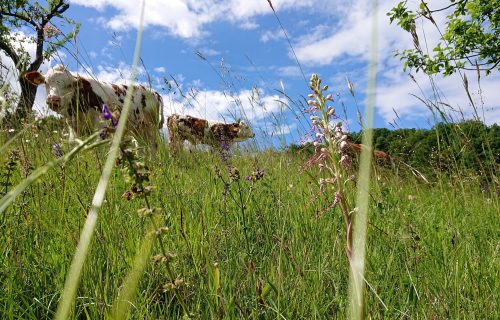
(248,60)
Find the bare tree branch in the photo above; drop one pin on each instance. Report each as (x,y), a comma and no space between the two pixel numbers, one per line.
(451,5)
(9,51)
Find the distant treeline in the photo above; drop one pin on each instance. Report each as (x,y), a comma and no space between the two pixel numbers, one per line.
(452,147)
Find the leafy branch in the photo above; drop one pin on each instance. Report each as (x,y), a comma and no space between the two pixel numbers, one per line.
(470,41)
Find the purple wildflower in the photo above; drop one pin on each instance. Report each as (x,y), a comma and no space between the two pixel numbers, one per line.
(345,160)
(105,112)
(225,149)
(57,150)
(256,175)
(107,115)
(336,199)
(259,175)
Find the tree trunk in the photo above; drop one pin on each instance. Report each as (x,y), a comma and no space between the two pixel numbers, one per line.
(26,100)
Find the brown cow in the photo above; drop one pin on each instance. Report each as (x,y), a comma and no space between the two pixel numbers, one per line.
(354,149)
(80,101)
(201,131)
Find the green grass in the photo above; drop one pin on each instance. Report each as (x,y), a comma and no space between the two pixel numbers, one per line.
(432,249)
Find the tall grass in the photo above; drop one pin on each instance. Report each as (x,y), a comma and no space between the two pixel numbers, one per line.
(430,253)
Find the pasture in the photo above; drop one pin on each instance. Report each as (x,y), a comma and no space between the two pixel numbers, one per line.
(241,247)
(98,225)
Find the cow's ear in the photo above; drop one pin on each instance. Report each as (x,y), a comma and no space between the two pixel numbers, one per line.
(79,83)
(235,127)
(35,78)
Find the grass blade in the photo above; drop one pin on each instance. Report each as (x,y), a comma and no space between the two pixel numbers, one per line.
(356,281)
(74,274)
(122,303)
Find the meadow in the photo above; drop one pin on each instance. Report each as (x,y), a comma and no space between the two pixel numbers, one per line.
(100,230)
(250,237)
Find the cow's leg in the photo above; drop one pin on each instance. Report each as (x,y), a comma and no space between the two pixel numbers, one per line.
(174,143)
(153,139)
(147,130)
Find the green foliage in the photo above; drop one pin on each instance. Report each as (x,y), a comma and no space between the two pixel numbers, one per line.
(471,39)
(447,147)
(52,123)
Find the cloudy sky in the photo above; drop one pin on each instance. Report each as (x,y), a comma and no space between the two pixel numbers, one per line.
(230,59)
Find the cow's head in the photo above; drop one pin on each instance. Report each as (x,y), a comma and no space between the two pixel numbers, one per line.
(59,83)
(241,131)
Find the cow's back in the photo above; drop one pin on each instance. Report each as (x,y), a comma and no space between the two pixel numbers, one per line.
(146,106)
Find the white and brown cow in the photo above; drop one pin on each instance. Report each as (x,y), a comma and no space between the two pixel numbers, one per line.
(200,131)
(80,101)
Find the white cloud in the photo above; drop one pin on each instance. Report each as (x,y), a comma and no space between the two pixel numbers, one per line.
(253,105)
(351,36)
(180,17)
(289,71)
(398,92)
(97,4)
(187,18)
(248,25)
(272,35)
(208,52)
(159,69)
(112,74)
(174,15)
(350,39)
(286,129)
(240,10)
(489,91)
